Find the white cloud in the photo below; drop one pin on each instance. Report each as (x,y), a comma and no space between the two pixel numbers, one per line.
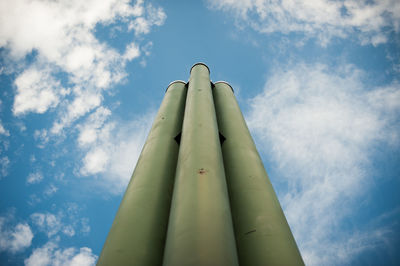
(85,227)
(67,222)
(84,102)
(14,238)
(142,25)
(319,126)
(47,222)
(69,230)
(90,131)
(52,254)
(112,148)
(34,178)
(95,161)
(4,164)
(350,247)
(323,19)
(33,199)
(132,51)
(76,221)
(50,27)
(3,131)
(66,53)
(50,190)
(37,91)
(42,136)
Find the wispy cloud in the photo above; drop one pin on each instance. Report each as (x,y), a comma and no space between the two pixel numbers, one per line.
(320,126)
(50,190)
(67,222)
(3,131)
(4,160)
(34,178)
(143,24)
(47,222)
(4,164)
(52,254)
(370,21)
(111,147)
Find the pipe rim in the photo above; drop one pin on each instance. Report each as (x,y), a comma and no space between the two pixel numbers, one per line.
(200,63)
(225,82)
(173,82)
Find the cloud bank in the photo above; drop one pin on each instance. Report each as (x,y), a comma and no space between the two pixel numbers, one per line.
(371,22)
(320,126)
(64,64)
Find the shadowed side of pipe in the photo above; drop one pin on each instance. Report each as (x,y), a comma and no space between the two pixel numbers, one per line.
(137,235)
(262,233)
(200,228)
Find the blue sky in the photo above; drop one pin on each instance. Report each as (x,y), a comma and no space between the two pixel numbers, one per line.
(318,83)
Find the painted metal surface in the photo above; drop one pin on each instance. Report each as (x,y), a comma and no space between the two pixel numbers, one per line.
(200,228)
(137,236)
(262,233)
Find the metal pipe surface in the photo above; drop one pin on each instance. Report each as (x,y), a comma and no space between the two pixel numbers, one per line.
(200,228)
(137,235)
(262,233)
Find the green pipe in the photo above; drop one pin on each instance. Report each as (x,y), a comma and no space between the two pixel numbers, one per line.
(137,235)
(263,236)
(200,228)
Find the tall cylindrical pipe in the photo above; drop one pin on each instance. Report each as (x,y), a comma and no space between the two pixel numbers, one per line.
(262,233)
(138,233)
(200,228)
